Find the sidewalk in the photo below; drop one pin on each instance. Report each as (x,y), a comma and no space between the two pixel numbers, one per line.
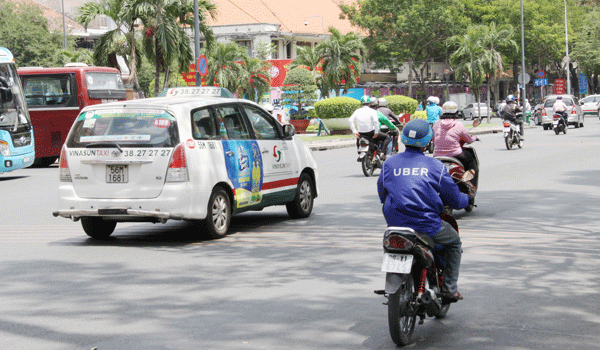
(351,142)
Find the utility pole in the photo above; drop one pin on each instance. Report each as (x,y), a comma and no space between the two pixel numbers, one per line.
(196,40)
(568,59)
(523,59)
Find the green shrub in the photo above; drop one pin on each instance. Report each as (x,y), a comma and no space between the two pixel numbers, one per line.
(419,115)
(337,107)
(401,104)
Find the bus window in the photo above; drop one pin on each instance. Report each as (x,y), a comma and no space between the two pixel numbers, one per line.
(49,90)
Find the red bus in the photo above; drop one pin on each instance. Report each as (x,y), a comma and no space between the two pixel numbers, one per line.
(55,96)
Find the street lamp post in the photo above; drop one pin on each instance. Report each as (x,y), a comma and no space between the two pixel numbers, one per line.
(64,27)
(196,40)
(568,60)
(322,23)
(523,82)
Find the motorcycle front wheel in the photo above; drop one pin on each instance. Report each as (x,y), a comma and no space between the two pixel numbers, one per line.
(367,164)
(402,314)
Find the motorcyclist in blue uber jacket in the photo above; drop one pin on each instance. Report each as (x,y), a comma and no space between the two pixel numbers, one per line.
(414,188)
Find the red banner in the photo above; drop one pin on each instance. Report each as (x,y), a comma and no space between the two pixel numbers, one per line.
(278,71)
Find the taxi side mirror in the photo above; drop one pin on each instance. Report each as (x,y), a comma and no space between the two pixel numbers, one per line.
(288,130)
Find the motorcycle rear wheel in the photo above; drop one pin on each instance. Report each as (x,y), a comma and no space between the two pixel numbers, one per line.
(401,313)
(367,165)
(556,131)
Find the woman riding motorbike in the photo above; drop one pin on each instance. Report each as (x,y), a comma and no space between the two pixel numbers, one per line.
(449,135)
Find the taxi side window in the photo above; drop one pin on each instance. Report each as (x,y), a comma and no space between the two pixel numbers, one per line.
(203,124)
(262,123)
(233,122)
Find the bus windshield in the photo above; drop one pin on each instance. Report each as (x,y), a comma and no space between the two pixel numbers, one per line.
(13,113)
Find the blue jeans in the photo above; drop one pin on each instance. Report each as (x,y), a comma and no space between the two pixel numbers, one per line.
(449,238)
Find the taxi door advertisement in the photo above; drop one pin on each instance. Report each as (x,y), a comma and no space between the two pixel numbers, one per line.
(245,170)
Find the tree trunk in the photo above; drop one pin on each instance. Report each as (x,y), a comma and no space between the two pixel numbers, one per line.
(410,76)
(166,83)
(157,63)
(488,101)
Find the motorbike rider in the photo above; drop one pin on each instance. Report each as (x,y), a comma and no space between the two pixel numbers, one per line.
(413,189)
(449,135)
(561,108)
(367,124)
(509,113)
(387,112)
(433,110)
(391,131)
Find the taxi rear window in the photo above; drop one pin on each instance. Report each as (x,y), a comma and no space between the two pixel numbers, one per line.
(125,127)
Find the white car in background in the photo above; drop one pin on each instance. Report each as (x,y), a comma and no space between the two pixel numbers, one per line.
(591,105)
(192,155)
(471,111)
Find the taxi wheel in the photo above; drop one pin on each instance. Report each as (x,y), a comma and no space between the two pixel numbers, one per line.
(96,227)
(218,216)
(302,205)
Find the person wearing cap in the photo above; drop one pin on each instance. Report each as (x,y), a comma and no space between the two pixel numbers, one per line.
(413,189)
(367,124)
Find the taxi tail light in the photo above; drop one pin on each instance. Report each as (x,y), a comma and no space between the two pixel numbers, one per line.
(178,171)
(544,112)
(65,174)
(573,111)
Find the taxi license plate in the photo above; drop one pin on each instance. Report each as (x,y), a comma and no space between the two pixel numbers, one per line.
(117,174)
(397,263)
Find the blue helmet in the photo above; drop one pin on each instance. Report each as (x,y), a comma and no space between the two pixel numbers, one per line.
(510,98)
(417,133)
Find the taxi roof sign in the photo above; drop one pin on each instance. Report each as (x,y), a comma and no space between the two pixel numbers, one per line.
(196,91)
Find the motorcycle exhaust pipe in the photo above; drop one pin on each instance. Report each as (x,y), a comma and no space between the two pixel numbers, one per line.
(431,305)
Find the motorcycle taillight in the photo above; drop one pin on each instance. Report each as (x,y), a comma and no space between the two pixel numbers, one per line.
(506,124)
(397,242)
(364,143)
(556,116)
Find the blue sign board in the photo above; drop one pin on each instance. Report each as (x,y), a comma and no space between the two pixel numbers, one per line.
(582,84)
(540,82)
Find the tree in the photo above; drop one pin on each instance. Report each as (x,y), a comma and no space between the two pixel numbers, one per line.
(120,41)
(340,55)
(467,58)
(25,32)
(412,31)
(300,86)
(494,40)
(255,81)
(586,51)
(225,65)
(308,57)
(165,39)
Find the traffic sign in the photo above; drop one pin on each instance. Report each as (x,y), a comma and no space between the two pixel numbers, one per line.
(559,86)
(202,65)
(524,78)
(541,74)
(583,86)
(540,82)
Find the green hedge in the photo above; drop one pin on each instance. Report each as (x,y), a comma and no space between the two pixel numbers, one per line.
(419,115)
(401,104)
(336,107)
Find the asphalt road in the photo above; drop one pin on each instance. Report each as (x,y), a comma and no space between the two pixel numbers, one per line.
(529,271)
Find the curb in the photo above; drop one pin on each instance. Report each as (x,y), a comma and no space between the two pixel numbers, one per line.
(343,143)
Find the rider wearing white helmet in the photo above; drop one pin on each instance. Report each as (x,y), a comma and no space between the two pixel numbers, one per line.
(387,112)
(433,110)
(367,122)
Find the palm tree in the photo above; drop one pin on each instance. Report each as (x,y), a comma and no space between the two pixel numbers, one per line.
(119,41)
(308,57)
(165,39)
(341,58)
(255,80)
(467,59)
(224,65)
(495,39)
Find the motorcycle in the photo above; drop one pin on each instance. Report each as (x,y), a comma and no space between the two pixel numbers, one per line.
(413,264)
(370,155)
(466,181)
(559,124)
(511,133)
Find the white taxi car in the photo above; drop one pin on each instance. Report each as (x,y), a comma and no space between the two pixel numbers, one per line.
(187,157)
